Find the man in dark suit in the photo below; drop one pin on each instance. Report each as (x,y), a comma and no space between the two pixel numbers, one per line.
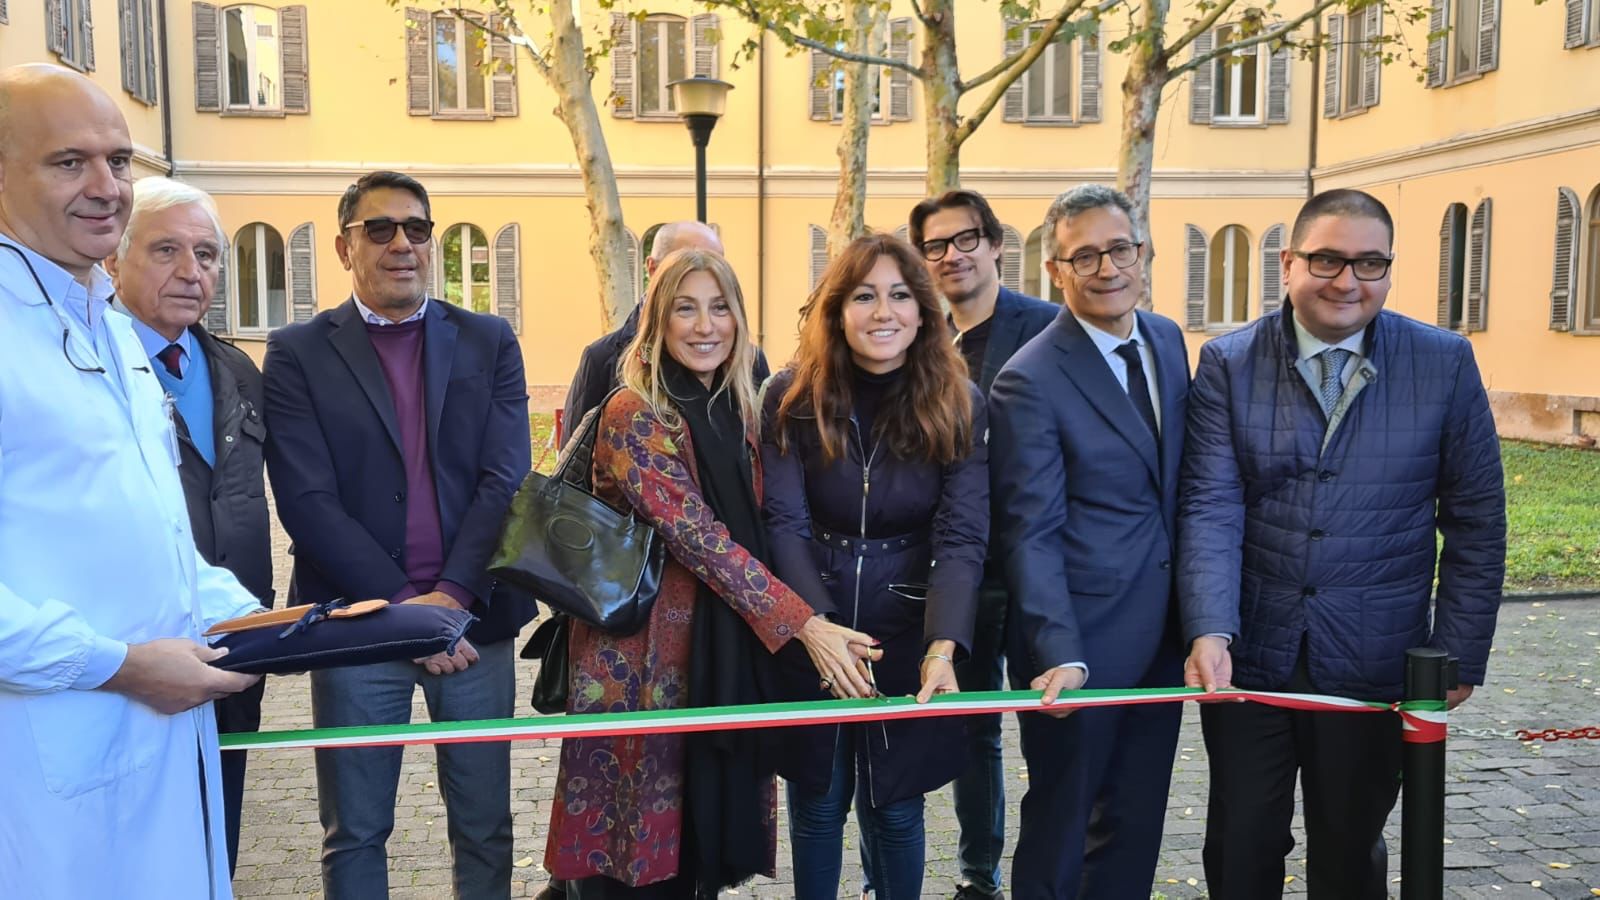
(165,272)
(399,430)
(597,366)
(959,237)
(1086,427)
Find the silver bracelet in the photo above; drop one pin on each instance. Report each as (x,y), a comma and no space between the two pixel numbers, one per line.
(938,656)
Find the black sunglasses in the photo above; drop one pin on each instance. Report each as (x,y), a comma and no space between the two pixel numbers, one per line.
(381,230)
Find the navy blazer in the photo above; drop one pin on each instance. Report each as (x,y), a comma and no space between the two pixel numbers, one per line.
(333,454)
(1085,503)
(1015,321)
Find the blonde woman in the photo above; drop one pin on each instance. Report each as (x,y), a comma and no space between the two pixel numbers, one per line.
(668,815)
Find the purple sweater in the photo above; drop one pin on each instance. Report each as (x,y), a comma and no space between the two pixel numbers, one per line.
(399,349)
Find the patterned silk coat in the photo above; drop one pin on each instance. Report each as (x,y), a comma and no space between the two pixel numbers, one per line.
(618,806)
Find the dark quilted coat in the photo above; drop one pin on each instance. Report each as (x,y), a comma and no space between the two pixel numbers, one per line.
(1282,540)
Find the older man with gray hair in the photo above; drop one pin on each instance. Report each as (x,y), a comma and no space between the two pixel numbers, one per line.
(165,272)
(1086,424)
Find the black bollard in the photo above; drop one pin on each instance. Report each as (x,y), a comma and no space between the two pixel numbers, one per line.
(1430,674)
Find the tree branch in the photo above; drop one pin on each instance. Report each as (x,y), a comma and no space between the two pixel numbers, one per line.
(1051,28)
(516,39)
(749,11)
(1270,34)
(1205,24)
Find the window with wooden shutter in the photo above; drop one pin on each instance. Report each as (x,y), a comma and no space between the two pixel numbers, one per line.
(706,35)
(1278,86)
(1200,82)
(1471,46)
(303,273)
(1010,258)
(1272,269)
(460,86)
(1591,266)
(635,279)
(296,60)
(900,79)
(1575,34)
(1452,268)
(1011,45)
(136,28)
(1228,279)
(69,32)
(1333,62)
(622,66)
(207,62)
(1488,36)
(1478,267)
(1371,56)
(1564,273)
(218,317)
(508,275)
(260,279)
(5,13)
(1047,84)
(1194,287)
(435,269)
(253,59)
(503,78)
(465,268)
(819,254)
(1438,16)
(1237,80)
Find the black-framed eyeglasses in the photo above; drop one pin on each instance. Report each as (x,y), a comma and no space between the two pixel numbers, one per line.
(965,241)
(1328,265)
(1087,262)
(381,230)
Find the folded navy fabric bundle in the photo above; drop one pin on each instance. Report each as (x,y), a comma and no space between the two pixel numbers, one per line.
(319,641)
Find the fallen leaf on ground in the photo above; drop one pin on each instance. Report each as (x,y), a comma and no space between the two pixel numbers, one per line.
(524,862)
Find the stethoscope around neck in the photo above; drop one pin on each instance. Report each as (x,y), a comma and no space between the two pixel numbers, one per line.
(66,329)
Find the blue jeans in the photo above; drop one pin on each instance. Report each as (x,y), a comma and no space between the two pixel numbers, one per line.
(892,836)
(356,787)
(980,791)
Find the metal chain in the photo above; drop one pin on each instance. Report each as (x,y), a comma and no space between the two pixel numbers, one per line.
(1591,732)
(1484,733)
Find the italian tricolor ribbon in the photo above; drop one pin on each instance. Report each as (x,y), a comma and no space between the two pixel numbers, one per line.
(1424,721)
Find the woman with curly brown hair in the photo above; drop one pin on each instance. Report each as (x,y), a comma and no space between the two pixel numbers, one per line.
(669,815)
(877,513)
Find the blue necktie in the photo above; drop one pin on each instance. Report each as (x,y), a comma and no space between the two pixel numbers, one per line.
(1333,360)
(1138,386)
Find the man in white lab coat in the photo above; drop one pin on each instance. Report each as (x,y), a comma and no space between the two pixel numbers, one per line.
(109,780)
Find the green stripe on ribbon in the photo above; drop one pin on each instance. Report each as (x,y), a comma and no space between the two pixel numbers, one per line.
(1428,724)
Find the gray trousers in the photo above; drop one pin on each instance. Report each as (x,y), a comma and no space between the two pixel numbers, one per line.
(356,787)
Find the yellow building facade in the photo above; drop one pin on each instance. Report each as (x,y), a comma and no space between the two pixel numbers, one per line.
(1491,166)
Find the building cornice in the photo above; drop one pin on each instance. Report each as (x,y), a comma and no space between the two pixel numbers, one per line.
(1489,146)
(150,159)
(535,180)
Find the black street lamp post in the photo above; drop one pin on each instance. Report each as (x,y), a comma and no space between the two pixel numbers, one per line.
(701,102)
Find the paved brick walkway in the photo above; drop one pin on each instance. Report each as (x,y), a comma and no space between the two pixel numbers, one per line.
(1522,821)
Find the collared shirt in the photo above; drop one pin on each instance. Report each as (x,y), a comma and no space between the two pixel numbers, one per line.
(1310,345)
(372,318)
(154,343)
(1107,343)
(86,306)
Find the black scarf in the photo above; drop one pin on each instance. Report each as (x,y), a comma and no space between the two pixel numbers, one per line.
(725,825)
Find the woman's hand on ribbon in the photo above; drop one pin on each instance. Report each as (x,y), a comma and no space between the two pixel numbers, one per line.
(938,671)
(837,652)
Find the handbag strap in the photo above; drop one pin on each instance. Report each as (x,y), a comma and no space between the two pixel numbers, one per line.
(575,466)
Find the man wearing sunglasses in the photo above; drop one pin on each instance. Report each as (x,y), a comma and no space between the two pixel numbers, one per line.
(398,432)
(1086,426)
(1329,443)
(959,238)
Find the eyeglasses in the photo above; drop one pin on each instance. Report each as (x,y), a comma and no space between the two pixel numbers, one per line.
(1087,262)
(381,230)
(1365,268)
(965,241)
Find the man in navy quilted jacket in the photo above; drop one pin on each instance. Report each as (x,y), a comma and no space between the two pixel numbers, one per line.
(1327,444)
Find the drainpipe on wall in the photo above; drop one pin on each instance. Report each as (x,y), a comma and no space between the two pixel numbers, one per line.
(761,190)
(166,93)
(1316,106)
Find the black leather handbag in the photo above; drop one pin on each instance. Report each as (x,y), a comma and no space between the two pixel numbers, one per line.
(548,645)
(570,549)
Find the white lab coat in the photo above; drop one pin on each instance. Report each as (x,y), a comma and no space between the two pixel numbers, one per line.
(100,796)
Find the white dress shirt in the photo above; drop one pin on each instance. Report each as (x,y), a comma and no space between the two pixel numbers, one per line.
(1107,343)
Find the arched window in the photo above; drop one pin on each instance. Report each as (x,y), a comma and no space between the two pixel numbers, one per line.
(1228,289)
(1452,267)
(1035,278)
(1010,258)
(465,253)
(260,278)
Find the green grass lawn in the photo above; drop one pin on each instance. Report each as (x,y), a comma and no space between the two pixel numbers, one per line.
(1553,516)
(1552,500)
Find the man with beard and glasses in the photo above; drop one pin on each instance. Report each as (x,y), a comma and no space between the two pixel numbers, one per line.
(959,238)
(398,430)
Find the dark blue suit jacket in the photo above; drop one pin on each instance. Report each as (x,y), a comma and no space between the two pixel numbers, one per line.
(1016,319)
(333,454)
(1085,503)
